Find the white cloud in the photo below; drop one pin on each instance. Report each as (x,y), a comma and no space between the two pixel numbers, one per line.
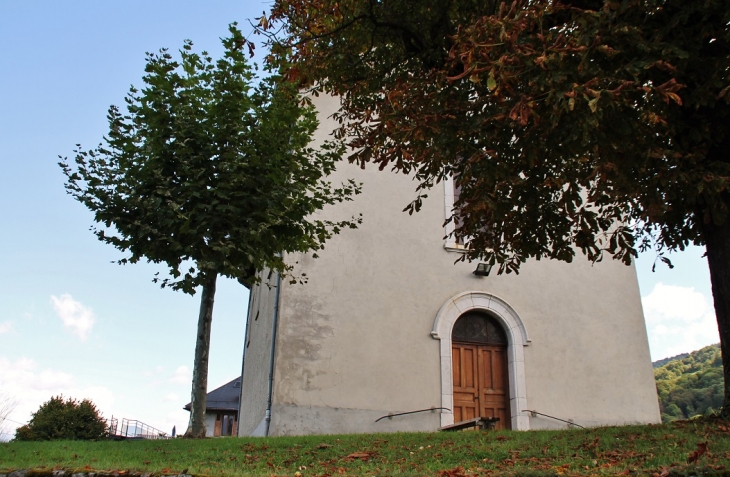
(182,376)
(178,418)
(678,320)
(6,327)
(154,371)
(74,315)
(171,397)
(31,387)
(32,383)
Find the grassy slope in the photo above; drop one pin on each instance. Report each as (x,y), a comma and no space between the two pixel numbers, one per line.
(691,385)
(638,449)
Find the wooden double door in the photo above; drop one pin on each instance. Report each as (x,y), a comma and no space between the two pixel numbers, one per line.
(226,424)
(481,383)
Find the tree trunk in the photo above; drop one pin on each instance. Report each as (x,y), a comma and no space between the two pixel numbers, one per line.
(717,242)
(196,426)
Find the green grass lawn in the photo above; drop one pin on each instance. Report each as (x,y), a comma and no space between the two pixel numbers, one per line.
(656,451)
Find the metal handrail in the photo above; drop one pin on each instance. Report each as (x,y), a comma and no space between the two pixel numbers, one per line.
(130,428)
(111,426)
(570,423)
(432,409)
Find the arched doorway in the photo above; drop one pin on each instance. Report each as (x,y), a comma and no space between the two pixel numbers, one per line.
(479,369)
(517,338)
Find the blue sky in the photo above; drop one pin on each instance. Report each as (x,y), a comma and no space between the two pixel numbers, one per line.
(72,321)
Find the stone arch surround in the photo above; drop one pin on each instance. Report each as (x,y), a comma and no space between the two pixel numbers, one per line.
(517,339)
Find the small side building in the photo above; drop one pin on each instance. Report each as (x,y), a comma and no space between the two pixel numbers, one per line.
(221,409)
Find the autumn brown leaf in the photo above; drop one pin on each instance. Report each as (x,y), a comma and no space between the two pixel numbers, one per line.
(561,469)
(590,445)
(455,472)
(695,455)
(665,472)
(360,455)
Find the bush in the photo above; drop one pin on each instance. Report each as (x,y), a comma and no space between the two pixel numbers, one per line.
(61,419)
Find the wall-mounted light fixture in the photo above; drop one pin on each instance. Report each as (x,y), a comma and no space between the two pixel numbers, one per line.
(483,269)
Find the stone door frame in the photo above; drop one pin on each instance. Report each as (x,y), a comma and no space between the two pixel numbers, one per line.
(517,339)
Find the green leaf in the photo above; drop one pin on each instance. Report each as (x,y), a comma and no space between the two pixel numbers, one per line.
(491,82)
(593,104)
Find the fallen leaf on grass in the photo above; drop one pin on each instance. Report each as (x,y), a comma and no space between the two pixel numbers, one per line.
(360,455)
(323,445)
(695,455)
(618,455)
(664,473)
(589,445)
(562,469)
(455,472)
(502,438)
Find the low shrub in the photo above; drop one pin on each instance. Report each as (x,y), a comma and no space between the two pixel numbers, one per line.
(64,419)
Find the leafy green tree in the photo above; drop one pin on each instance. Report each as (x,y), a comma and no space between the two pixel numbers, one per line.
(210,175)
(690,385)
(64,419)
(594,125)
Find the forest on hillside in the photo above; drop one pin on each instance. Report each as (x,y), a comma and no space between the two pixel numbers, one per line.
(690,385)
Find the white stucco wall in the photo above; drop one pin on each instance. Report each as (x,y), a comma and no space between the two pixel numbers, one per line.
(209,424)
(355,342)
(257,344)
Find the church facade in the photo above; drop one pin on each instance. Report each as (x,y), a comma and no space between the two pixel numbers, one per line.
(388,323)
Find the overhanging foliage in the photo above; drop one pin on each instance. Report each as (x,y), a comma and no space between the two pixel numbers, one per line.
(594,125)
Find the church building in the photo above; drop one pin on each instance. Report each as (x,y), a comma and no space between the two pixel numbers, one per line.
(390,334)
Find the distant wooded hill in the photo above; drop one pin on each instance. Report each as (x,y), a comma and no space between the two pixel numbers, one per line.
(689,384)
